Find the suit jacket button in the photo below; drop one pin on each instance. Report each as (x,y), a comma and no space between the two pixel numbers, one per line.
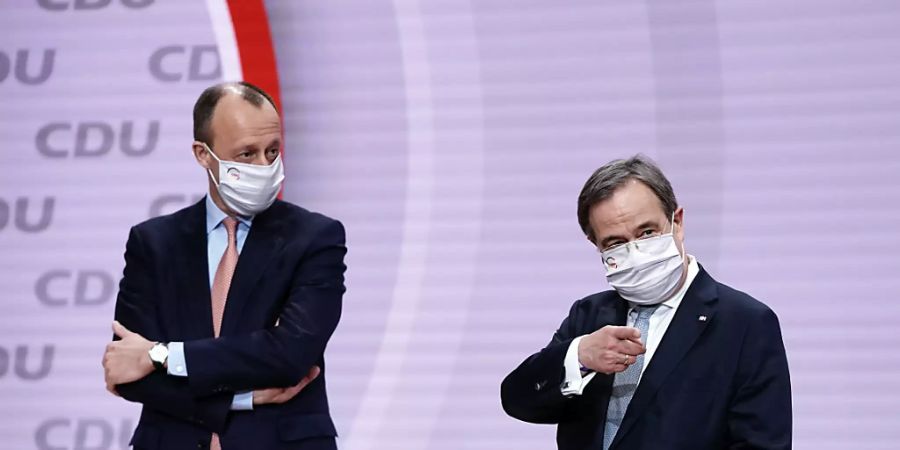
(537,386)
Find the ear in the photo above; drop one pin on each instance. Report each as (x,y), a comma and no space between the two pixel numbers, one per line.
(201,154)
(679,224)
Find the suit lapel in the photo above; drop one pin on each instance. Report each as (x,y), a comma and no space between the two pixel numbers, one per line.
(263,242)
(193,276)
(682,333)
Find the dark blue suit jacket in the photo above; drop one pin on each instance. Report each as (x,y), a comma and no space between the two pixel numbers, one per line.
(290,268)
(719,383)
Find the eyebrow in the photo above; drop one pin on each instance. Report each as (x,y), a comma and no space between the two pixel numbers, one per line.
(646,224)
(274,141)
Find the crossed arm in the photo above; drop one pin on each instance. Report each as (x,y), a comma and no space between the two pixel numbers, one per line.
(268,360)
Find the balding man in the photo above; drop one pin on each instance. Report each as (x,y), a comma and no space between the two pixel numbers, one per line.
(225,307)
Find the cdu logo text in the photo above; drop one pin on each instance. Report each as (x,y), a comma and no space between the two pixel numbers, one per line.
(91,5)
(174,63)
(60,288)
(87,433)
(93,139)
(29,67)
(28,215)
(26,362)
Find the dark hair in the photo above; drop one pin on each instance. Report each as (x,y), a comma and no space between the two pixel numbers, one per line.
(605,180)
(206,104)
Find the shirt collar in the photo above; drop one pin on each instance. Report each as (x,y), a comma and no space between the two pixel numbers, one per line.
(215,216)
(672,303)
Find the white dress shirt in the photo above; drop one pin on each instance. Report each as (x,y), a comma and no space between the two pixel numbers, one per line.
(574,382)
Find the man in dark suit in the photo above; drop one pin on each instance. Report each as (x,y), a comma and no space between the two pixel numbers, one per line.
(670,359)
(226,306)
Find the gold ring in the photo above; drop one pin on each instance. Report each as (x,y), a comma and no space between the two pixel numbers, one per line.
(625,361)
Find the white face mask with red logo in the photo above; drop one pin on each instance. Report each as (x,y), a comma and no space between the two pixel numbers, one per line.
(248,189)
(645,271)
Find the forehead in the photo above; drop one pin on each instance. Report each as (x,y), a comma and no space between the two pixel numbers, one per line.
(630,205)
(236,121)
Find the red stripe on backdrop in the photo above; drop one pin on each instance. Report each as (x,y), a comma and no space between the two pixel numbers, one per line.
(254,43)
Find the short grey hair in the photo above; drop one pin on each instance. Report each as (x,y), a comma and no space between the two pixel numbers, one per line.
(613,175)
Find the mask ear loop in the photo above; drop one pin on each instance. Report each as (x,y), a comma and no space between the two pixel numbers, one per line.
(208,170)
(683,255)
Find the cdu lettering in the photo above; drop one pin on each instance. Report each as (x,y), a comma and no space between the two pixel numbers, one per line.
(90,5)
(23,218)
(59,288)
(60,433)
(21,367)
(174,63)
(24,68)
(93,139)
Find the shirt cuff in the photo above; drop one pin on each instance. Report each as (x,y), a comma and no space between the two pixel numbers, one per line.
(243,401)
(177,364)
(574,382)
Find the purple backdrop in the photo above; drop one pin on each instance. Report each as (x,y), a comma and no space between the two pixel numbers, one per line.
(452,138)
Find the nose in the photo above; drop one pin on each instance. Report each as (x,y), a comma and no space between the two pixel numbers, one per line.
(260,159)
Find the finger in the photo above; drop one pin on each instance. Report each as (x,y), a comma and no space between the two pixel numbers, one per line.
(120,329)
(288,393)
(625,332)
(314,372)
(262,396)
(612,359)
(613,363)
(636,341)
(295,389)
(622,359)
(630,348)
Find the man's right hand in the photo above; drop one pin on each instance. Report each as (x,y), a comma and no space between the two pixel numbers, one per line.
(610,349)
(281,395)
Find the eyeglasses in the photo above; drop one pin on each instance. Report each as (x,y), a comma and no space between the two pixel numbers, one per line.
(635,243)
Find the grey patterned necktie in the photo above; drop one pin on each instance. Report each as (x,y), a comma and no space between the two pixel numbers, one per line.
(625,383)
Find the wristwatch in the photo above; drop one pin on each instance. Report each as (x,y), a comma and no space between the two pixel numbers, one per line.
(159,353)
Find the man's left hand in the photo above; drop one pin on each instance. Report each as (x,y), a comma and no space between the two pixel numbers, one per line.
(126,360)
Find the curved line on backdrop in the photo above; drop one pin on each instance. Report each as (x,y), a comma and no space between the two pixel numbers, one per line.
(244,41)
(414,247)
(226,42)
(454,262)
(254,45)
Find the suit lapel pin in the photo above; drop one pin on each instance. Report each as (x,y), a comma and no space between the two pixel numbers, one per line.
(701,318)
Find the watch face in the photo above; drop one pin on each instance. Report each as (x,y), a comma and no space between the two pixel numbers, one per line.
(159,352)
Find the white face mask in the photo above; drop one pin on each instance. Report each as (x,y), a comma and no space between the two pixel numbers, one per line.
(645,271)
(248,189)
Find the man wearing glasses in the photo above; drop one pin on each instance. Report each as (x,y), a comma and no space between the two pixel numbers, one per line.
(670,358)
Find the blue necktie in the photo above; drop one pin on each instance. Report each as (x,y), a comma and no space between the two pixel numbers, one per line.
(625,383)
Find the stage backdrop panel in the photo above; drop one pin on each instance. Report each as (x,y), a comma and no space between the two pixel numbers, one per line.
(452,139)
